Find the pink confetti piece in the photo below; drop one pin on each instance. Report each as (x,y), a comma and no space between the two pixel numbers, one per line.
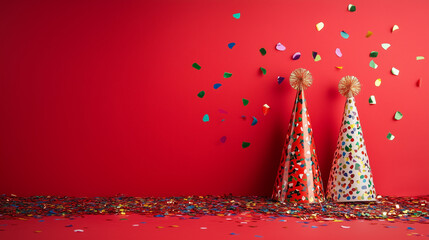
(347,227)
(338,52)
(280,47)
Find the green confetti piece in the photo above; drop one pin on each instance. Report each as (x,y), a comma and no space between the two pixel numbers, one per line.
(236,15)
(201,94)
(395,71)
(390,136)
(372,100)
(317,58)
(263,51)
(420,58)
(227,75)
(373,64)
(245,144)
(196,66)
(351,8)
(398,115)
(373,54)
(206,118)
(245,101)
(263,70)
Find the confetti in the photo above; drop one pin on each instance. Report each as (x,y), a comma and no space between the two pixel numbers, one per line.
(344,35)
(245,102)
(174,226)
(280,47)
(338,52)
(263,51)
(227,75)
(258,236)
(373,64)
(280,79)
(217,85)
(38,231)
(223,111)
(296,56)
(410,228)
(263,70)
(339,67)
(245,144)
(196,66)
(265,109)
(255,121)
(316,57)
(223,139)
(68,226)
(342,226)
(205,119)
(373,54)
(390,136)
(378,82)
(419,82)
(233,233)
(395,71)
(135,225)
(368,34)
(385,46)
(78,230)
(236,15)
(420,58)
(203,228)
(231,45)
(320,26)
(201,94)
(398,115)
(394,28)
(372,100)
(351,8)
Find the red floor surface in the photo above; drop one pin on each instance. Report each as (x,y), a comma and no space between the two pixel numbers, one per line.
(207,227)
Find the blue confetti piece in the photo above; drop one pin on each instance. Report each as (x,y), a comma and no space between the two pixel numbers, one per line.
(160,215)
(69,225)
(41,220)
(143,222)
(344,35)
(233,234)
(280,79)
(217,85)
(255,121)
(205,119)
(231,45)
(410,228)
(194,218)
(258,236)
(313,226)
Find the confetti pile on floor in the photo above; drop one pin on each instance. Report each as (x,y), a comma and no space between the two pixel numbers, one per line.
(402,208)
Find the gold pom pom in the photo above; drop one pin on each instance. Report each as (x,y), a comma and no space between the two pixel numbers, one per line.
(349,86)
(300,79)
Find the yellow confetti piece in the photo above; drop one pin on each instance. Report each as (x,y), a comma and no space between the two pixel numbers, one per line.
(37,231)
(339,67)
(320,26)
(159,227)
(394,28)
(378,82)
(369,34)
(420,58)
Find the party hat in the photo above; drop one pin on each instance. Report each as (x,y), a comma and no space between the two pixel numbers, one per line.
(298,177)
(350,178)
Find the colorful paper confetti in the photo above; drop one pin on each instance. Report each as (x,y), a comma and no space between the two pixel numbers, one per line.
(316,57)
(280,79)
(385,46)
(280,47)
(263,70)
(201,94)
(223,139)
(254,122)
(206,118)
(265,109)
(419,82)
(373,54)
(368,34)
(344,35)
(296,56)
(320,26)
(236,15)
(217,85)
(231,45)
(398,115)
(395,71)
(227,75)
(372,100)
(245,144)
(373,64)
(395,27)
(245,102)
(420,58)
(390,136)
(263,51)
(338,52)
(351,8)
(377,82)
(196,66)
(339,67)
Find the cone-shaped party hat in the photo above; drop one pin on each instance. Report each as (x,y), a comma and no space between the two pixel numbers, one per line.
(298,177)
(350,178)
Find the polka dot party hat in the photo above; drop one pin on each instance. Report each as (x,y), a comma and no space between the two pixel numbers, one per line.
(350,179)
(298,177)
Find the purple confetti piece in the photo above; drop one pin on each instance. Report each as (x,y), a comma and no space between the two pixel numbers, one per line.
(338,52)
(314,55)
(296,56)
(280,79)
(223,139)
(280,47)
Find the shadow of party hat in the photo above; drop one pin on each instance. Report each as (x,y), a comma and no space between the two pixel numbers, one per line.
(350,178)
(298,177)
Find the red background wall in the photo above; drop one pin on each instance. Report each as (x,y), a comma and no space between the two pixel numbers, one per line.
(99,97)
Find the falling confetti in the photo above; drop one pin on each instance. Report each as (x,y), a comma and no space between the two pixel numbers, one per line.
(345,226)
(245,144)
(390,136)
(231,45)
(316,57)
(320,26)
(419,82)
(373,54)
(394,28)
(351,8)
(265,109)
(263,70)
(245,102)
(378,82)
(372,100)
(227,75)
(255,121)
(201,94)
(280,79)
(395,71)
(296,56)
(398,115)
(420,58)
(338,52)
(385,46)
(206,118)
(373,64)
(217,85)
(263,51)
(196,66)
(236,15)
(223,139)
(344,35)
(339,67)
(280,47)
(368,34)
